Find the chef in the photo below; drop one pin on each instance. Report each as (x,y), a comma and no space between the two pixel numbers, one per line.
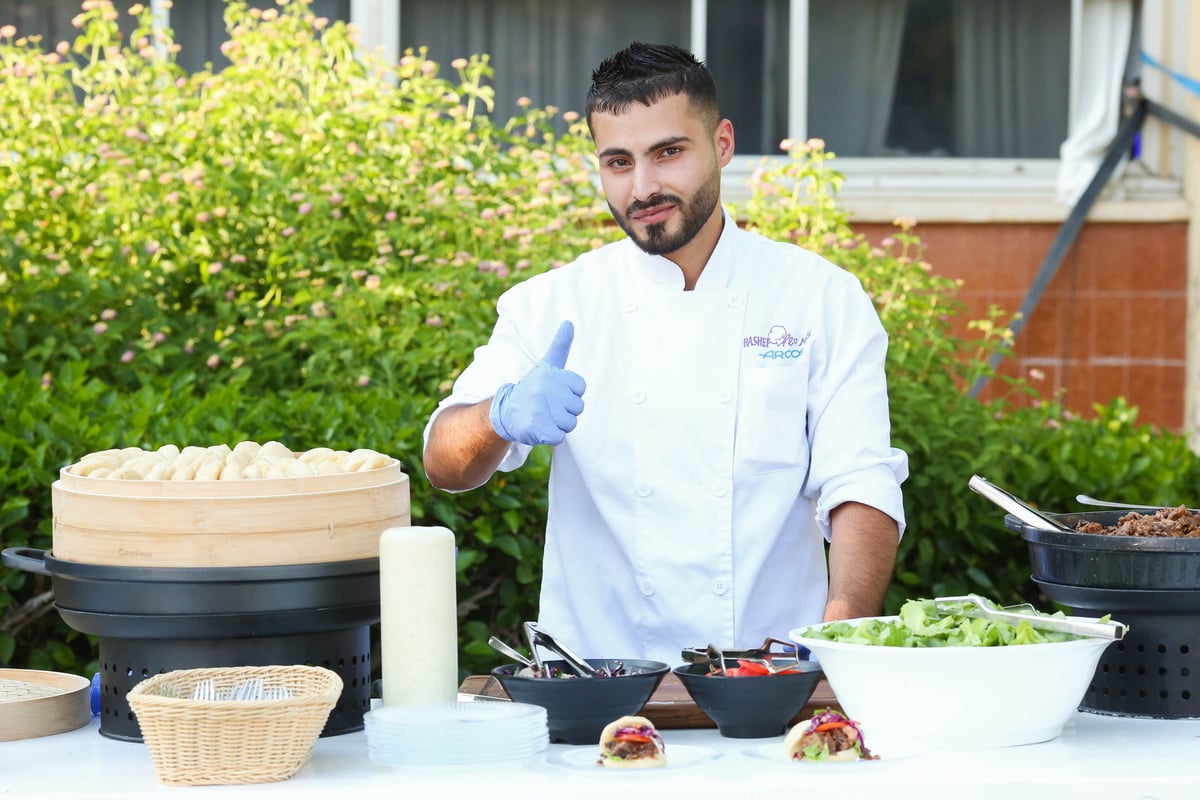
(716,402)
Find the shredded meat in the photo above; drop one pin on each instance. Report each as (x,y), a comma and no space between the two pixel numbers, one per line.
(627,749)
(837,739)
(1175,522)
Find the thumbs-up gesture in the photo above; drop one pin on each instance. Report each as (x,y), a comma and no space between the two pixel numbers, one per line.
(541,408)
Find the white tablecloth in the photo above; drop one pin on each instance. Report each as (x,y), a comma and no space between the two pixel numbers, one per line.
(1097,757)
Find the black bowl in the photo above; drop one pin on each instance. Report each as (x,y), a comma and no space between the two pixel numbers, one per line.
(750,706)
(1102,561)
(577,709)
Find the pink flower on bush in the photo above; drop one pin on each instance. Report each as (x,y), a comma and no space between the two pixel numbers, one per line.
(390,216)
(203,217)
(363,380)
(212,361)
(108,314)
(127,356)
(433,321)
(215,267)
(237,258)
(99,328)
(286,232)
(304,208)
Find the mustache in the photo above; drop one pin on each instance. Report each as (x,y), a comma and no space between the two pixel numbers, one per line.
(651,202)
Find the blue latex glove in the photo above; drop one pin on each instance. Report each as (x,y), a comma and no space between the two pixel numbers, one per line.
(542,407)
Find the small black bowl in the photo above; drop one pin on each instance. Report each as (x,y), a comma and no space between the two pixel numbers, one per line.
(577,709)
(750,706)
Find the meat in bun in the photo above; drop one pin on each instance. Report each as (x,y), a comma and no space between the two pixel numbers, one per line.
(828,736)
(631,743)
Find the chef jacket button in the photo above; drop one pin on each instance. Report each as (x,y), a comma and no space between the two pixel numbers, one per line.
(724,396)
(647,588)
(643,490)
(637,396)
(721,489)
(630,304)
(719,586)
(734,300)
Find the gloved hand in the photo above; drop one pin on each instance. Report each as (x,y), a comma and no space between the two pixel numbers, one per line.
(542,407)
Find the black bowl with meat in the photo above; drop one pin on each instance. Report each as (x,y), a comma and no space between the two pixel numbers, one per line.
(1142,555)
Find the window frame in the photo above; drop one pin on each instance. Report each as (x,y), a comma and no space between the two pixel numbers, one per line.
(932,188)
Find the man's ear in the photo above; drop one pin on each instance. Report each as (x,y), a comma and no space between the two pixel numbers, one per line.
(723,142)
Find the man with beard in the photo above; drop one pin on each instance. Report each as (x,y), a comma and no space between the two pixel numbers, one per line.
(736,414)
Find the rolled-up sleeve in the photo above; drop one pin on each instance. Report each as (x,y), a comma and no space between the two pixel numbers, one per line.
(852,459)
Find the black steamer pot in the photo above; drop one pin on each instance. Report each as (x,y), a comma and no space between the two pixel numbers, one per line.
(1150,583)
(150,620)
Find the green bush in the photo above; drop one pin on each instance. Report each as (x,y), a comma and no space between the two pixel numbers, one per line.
(308,245)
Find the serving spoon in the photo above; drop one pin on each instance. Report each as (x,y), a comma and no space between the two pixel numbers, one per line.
(1027,514)
(1091,501)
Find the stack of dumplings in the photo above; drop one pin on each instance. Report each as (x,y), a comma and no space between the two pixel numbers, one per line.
(246,460)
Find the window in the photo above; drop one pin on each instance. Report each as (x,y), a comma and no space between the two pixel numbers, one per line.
(930,78)
(199,25)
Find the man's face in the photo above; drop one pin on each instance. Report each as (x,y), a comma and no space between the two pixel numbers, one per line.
(661,171)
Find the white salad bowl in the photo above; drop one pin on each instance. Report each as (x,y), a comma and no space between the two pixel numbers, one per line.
(911,699)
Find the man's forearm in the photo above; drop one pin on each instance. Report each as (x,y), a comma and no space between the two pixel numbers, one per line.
(862,558)
(463,449)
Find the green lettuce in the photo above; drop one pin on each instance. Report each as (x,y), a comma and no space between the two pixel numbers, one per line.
(922,624)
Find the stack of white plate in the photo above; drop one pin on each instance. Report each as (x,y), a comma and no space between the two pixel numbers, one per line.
(456,733)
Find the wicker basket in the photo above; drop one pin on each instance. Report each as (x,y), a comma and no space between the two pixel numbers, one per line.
(203,742)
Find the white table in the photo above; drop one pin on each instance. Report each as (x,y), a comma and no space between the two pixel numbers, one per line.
(1098,757)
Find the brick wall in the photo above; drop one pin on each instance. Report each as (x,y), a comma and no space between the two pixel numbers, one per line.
(1111,323)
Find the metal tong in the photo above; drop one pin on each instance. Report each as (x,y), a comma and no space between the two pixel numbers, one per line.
(540,638)
(763,655)
(1019,509)
(973,605)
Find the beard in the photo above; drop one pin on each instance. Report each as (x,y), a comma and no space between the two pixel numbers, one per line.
(658,239)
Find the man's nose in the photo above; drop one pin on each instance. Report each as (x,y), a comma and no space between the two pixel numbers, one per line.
(646,183)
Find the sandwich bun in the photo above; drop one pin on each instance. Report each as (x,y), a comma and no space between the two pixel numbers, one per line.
(805,734)
(608,740)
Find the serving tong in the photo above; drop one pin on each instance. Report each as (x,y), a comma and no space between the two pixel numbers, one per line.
(1018,508)
(762,655)
(538,637)
(975,606)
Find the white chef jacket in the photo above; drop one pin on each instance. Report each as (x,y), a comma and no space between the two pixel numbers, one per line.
(720,428)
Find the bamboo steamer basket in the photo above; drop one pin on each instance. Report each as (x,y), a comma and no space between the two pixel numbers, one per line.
(40,703)
(235,523)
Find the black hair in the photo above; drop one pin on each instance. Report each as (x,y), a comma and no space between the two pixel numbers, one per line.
(646,73)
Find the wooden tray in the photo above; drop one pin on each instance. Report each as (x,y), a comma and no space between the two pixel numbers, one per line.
(670,707)
(38,703)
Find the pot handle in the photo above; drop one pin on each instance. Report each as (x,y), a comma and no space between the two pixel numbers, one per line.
(27,559)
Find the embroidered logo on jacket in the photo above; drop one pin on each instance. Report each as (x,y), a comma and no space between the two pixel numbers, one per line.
(777,344)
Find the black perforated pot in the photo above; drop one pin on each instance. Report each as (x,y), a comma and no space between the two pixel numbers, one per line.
(150,620)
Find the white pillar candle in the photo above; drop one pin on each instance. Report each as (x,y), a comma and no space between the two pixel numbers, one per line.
(418,616)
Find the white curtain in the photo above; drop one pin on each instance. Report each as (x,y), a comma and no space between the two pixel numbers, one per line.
(548,48)
(853,55)
(1006,103)
(1097,71)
